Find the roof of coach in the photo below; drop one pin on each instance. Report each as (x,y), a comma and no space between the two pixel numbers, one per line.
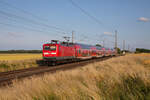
(99,48)
(66,43)
(106,48)
(84,46)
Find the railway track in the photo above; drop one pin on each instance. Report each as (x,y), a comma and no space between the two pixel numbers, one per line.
(7,77)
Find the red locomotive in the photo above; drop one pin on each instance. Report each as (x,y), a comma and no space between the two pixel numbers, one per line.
(56,52)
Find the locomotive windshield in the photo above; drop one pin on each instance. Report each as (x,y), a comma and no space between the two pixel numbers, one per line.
(46,47)
(51,48)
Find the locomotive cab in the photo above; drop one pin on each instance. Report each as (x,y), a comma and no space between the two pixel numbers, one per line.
(58,52)
(50,50)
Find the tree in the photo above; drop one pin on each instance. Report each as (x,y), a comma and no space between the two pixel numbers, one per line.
(98,45)
(142,50)
(118,50)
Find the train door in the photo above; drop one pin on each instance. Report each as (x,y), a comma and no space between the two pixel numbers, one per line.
(62,51)
(76,51)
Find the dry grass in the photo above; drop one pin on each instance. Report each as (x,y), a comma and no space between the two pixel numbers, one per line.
(122,78)
(18,61)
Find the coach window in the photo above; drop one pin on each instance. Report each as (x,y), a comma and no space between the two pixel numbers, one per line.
(79,51)
(59,48)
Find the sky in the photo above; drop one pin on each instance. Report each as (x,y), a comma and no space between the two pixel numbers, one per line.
(27,24)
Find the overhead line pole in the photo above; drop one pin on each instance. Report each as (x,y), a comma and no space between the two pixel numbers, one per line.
(123,45)
(103,43)
(116,40)
(128,47)
(72,36)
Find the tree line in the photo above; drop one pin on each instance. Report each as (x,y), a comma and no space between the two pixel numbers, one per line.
(142,50)
(21,51)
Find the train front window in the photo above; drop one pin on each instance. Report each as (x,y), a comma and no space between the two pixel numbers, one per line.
(52,48)
(46,47)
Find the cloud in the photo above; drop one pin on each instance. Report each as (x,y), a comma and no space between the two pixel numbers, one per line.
(143,19)
(107,33)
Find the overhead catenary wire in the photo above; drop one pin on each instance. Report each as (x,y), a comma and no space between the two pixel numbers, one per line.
(10,15)
(88,14)
(23,27)
(22,10)
(34,16)
(16,21)
(15,17)
(85,12)
(91,16)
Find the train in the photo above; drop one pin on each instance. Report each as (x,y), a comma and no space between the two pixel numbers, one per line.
(59,52)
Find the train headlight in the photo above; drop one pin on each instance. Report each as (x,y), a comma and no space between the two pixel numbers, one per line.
(53,53)
(45,53)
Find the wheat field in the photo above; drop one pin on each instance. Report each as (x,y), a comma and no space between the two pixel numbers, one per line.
(18,57)
(121,78)
(10,62)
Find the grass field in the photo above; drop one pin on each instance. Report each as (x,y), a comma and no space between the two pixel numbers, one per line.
(18,61)
(18,57)
(121,78)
